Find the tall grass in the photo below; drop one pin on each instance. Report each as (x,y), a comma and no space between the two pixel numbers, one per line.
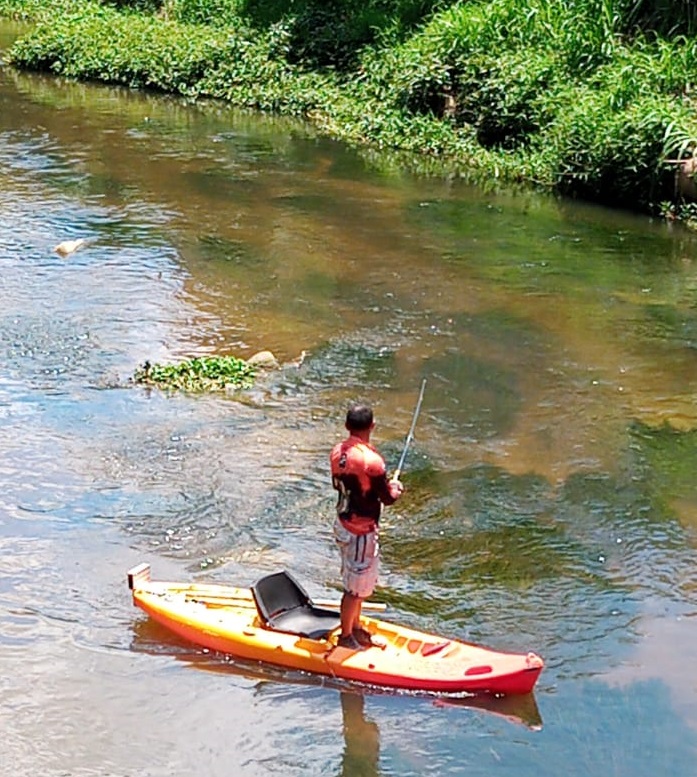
(578,91)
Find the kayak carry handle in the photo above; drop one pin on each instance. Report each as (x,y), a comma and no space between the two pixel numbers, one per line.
(138,574)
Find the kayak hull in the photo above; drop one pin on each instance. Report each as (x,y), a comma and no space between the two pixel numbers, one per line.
(225,619)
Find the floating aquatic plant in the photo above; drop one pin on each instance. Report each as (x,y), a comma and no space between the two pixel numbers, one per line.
(206,373)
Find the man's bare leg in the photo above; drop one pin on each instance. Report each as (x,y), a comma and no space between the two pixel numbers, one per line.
(350,613)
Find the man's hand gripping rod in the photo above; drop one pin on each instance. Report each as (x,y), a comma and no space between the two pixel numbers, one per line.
(410,436)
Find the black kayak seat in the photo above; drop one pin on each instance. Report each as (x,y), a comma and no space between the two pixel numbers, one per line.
(284,605)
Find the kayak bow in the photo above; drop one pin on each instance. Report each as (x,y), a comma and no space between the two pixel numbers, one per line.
(276,622)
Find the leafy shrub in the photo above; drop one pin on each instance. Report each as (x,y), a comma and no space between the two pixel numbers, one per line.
(216,13)
(322,33)
(99,43)
(614,157)
(141,51)
(36,9)
(331,33)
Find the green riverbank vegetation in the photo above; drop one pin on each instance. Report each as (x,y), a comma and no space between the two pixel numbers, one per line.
(589,98)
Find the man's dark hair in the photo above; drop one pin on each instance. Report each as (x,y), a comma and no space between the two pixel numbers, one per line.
(359,418)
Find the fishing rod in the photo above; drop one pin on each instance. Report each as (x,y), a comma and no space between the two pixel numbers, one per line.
(410,436)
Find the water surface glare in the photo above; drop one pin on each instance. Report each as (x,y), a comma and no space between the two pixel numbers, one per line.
(551,503)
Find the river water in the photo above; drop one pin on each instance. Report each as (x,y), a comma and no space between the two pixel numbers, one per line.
(551,502)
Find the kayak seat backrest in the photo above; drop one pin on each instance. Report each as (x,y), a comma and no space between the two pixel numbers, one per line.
(284,605)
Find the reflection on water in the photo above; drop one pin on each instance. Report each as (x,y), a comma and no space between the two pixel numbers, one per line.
(361,752)
(153,639)
(362,739)
(550,502)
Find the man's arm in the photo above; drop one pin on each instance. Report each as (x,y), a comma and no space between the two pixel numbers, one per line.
(388,491)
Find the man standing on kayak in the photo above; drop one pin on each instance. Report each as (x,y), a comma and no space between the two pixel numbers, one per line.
(360,477)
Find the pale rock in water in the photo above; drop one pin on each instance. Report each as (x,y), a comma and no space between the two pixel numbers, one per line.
(264,359)
(68,247)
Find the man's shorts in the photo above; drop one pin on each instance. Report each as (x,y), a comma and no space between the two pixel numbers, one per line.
(360,560)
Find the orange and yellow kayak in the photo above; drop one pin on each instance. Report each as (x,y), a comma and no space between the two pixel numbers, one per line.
(252,624)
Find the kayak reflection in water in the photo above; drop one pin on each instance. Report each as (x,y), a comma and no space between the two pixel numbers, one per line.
(361,739)
(359,475)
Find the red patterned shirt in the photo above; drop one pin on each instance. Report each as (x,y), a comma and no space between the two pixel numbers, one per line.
(360,477)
